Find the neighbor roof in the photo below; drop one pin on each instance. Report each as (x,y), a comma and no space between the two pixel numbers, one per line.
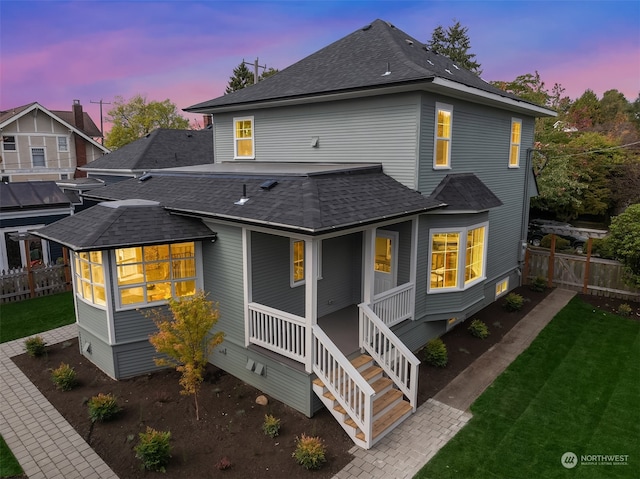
(89,128)
(162,148)
(31,195)
(464,192)
(313,200)
(122,224)
(376,56)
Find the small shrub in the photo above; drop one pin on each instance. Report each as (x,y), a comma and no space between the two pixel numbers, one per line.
(64,377)
(513,302)
(478,329)
(538,284)
(309,452)
(103,407)
(561,243)
(271,425)
(435,353)
(154,449)
(624,310)
(224,464)
(35,346)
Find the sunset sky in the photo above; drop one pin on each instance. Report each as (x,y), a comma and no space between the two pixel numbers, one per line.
(54,52)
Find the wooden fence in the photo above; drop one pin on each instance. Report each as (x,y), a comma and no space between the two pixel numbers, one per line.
(30,282)
(583,273)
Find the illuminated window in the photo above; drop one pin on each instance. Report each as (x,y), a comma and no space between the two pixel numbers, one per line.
(383,254)
(502,287)
(514,150)
(442,151)
(150,274)
(243,146)
(297,262)
(89,277)
(452,266)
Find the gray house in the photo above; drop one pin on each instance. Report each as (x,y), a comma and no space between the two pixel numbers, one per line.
(364,200)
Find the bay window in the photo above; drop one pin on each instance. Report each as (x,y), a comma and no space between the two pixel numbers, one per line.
(89,277)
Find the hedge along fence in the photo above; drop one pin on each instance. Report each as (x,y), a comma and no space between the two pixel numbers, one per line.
(583,273)
(29,282)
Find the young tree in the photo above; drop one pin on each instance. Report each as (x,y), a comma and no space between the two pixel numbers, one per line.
(455,44)
(624,240)
(137,117)
(185,339)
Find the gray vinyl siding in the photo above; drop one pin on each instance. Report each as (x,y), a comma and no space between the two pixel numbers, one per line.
(415,334)
(341,282)
(279,381)
(404,250)
(271,279)
(133,359)
(99,352)
(373,130)
(133,324)
(93,320)
(223,279)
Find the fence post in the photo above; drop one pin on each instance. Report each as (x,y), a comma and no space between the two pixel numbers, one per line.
(67,269)
(552,259)
(525,272)
(32,286)
(587,267)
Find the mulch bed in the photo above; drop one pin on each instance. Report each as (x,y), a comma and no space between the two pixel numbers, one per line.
(230,424)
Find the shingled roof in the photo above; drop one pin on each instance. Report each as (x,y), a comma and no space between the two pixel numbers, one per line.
(376,56)
(464,192)
(120,224)
(307,198)
(162,148)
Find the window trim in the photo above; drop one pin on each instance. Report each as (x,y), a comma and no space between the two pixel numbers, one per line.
(44,157)
(78,279)
(66,144)
(252,156)
(512,144)
(5,142)
(446,108)
(503,286)
(462,232)
(292,280)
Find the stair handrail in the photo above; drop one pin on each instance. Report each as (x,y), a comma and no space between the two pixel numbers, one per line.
(357,401)
(405,378)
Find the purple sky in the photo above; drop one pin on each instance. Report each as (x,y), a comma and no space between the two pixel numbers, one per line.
(54,52)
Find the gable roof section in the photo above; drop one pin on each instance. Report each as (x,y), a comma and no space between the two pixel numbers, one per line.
(313,202)
(162,148)
(31,195)
(9,116)
(357,65)
(464,192)
(90,128)
(123,224)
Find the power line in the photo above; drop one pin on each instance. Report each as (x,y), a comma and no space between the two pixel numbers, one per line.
(101,124)
(601,150)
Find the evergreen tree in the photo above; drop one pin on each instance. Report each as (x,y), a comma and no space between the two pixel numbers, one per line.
(455,44)
(243,77)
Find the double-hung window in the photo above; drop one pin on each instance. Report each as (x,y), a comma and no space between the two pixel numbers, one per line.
(63,144)
(150,274)
(37,157)
(297,262)
(514,148)
(458,257)
(89,277)
(442,148)
(9,143)
(243,138)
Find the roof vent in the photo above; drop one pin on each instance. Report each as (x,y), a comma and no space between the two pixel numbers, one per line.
(388,72)
(366,27)
(145,177)
(456,66)
(429,62)
(244,198)
(269,184)
(448,71)
(409,42)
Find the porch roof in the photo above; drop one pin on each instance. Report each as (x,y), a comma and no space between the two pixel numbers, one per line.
(122,224)
(464,192)
(313,199)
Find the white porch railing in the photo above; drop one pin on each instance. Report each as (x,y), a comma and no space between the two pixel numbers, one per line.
(394,305)
(342,379)
(398,362)
(278,331)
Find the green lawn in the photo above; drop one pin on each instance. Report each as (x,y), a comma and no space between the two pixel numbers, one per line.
(9,466)
(25,318)
(575,389)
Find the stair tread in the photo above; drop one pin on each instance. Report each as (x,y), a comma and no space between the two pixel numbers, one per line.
(361,360)
(383,423)
(379,403)
(371,372)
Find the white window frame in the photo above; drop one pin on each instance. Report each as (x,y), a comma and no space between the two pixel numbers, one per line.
(446,108)
(78,279)
(5,143)
(63,144)
(461,285)
(513,144)
(116,287)
(502,287)
(44,156)
(252,156)
(300,282)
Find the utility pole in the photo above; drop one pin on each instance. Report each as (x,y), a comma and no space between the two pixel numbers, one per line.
(255,70)
(101,124)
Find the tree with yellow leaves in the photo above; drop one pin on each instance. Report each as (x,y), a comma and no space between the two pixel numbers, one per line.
(185,339)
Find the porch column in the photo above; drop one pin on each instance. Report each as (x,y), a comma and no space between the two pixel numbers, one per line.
(413,263)
(246,280)
(311,296)
(368,260)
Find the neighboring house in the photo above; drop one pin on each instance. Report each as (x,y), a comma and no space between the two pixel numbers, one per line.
(24,207)
(48,145)
(162,148)
(369,197)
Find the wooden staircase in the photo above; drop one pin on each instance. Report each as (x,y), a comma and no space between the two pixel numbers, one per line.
(390,407)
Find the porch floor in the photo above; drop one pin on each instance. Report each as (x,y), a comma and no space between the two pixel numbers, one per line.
(342,327)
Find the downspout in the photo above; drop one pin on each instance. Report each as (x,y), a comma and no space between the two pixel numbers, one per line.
(526,200)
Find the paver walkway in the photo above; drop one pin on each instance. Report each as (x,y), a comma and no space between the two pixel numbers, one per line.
(47,446)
